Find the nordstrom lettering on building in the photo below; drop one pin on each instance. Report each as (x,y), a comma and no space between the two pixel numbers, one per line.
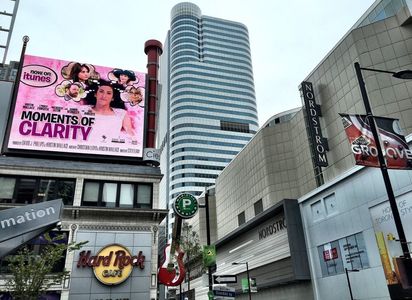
(319,143)
(272,228)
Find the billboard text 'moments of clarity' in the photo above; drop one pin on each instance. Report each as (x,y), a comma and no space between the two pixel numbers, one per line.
(78,108)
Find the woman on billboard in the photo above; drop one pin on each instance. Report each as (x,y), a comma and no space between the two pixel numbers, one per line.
(110,122)
(77,72)
(123,78)
(133,95)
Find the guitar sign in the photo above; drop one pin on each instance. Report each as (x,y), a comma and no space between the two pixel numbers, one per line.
(172,270)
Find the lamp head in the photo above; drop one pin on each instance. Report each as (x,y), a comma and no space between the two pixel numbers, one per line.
(405,74)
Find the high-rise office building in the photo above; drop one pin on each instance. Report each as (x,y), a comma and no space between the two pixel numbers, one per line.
(8,72)
(207,110)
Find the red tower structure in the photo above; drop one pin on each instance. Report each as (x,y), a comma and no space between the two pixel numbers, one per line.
(153,49)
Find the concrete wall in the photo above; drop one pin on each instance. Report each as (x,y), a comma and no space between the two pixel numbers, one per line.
(355,196)
(268,169)
(383,45)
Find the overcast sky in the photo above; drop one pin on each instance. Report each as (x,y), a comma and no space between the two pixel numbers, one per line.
(288,38)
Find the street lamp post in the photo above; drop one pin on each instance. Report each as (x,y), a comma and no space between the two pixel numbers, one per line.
(407,74)
(248,277)
(206,206)
(347,277)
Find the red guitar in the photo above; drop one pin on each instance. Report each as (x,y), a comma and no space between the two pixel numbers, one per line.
(172,271)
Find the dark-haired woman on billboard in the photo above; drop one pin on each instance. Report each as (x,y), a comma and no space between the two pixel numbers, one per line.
(123,78)
(78,72)
(110,121)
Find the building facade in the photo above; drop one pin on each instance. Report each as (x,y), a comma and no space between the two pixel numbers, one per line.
(282,150)
(8,72)
(348,222)
(207,106)
(99,208)
(278,164)
(111,203)
(348,226)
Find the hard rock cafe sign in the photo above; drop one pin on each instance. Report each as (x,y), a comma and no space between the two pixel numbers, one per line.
(113,264)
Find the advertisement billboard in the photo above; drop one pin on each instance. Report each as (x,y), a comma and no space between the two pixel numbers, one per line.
(363,145)
(398,275)
(78,108)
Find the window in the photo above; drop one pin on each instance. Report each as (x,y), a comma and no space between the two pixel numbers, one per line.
(258,207)
(126,195)
(330,204)
(91,193)
(144,195)
(117,194)
(109,194)
(348,252)
(234,126)
(26,192)
(241,218)
(317,210)
(29,190)
(7,185)
(324,207)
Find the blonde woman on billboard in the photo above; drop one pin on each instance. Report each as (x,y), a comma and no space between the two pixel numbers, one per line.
(133,95)
(110,122)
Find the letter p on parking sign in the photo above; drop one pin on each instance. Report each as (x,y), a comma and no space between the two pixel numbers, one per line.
(185,206)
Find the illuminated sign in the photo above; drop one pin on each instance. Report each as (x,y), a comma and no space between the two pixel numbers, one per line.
(78,108)
(113,264)
(319,143)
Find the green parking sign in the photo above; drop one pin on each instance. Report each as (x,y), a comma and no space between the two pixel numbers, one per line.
(185,206)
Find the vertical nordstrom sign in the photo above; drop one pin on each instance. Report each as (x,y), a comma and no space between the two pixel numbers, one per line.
(319,143)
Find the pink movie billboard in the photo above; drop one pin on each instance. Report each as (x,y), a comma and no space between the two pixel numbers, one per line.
(78,108)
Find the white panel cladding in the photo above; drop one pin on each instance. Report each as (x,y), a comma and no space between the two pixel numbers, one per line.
(263,244)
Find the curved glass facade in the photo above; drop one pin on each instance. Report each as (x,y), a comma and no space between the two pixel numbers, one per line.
(384,9)
(209,93)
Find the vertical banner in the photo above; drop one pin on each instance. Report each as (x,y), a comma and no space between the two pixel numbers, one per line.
(253,285)
(245,285)
(209,255)
(363,145)
(73,107)
(318,142)
(398,277)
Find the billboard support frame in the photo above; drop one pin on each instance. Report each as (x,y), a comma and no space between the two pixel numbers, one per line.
(16,85)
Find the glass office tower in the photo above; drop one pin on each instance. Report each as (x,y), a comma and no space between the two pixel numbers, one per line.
(207,110)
